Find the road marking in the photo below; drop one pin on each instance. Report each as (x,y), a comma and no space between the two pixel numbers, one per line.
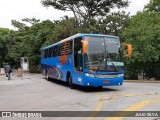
(133,107)
(114,96)
(99,105)
(136,95)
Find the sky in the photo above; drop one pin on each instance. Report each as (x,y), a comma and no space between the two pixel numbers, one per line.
(19,9)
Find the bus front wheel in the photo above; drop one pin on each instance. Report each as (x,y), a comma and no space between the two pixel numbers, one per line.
(72,86)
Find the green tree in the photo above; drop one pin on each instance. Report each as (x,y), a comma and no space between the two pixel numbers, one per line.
(114,23)
(18,24)
(143,33)
(66,27)
(4,41)
(32,21)
(85,10)
(27,41)
(153,6)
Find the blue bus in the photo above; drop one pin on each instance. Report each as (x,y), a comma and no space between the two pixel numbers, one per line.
(86,60)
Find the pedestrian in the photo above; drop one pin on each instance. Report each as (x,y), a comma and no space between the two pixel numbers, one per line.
(8,70)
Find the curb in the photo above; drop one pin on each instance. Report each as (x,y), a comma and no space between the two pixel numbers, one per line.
(143,81)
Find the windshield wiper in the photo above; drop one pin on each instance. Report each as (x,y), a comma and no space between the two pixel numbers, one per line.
(115,68)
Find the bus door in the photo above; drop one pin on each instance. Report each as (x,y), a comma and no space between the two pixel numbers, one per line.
(77,77)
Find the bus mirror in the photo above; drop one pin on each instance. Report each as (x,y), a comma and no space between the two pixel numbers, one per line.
(84,47)
(129,49)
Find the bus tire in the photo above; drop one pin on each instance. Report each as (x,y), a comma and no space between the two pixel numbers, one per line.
(47,77)
(72,86)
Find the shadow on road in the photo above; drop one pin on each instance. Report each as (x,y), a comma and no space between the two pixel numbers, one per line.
(84,88)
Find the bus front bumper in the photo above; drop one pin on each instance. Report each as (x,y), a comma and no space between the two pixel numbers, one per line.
(92,81)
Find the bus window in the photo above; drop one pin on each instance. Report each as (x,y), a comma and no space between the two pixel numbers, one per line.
(65,48)
(50,52)
(55,51)
(68,47)
(78,53)
(61,49)
(46,53)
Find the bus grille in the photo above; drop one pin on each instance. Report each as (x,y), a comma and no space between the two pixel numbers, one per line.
(106,76)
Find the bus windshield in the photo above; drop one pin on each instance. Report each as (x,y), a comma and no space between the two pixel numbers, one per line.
(104,54)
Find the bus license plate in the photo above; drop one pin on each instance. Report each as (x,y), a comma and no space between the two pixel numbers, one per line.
(105,81)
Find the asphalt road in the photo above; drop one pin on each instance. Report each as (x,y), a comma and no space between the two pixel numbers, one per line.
(33,93)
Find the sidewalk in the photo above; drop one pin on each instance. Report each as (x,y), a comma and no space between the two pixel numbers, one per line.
(143,81)
(15,80)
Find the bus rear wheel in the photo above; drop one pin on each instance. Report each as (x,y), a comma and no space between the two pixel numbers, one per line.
(47,77)
(72,86)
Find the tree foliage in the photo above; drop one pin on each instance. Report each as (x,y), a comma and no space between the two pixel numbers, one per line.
(114,23)
(4,41)
(143,33)
(85,10)
(18,24)
(93,16)
(66,27)
(28,40)
(153,6)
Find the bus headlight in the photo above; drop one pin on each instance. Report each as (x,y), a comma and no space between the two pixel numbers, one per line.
(89,75)
(120,75)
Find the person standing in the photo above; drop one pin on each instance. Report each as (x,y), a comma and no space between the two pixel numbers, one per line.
(8,70)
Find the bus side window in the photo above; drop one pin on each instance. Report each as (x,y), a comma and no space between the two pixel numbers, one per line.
(68,47)
(50,52)
(78,54)
(46,53)
(55,51)
(61,49)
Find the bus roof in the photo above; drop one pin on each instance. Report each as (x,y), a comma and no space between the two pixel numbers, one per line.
(78,35)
